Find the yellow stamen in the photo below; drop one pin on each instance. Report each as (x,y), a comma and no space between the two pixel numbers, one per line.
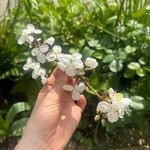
(118,96)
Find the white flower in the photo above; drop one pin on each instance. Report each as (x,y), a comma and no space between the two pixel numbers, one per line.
(97,117)
(91,63)
(27,34)
(56,53)
(38,72)
(103,107)
(29,64)
(44,79)
(25,38)
(76,90)
(116,108)
(31,30)
(50,41)
(72,64)
(39,52)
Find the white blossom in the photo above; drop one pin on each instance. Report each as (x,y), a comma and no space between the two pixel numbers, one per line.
(72,64)
(91,63)
(50,41)
(44,79)
(31,30)
(27,34)
(55,54)
(25,37)
(38,72)
(116,108)
(29,64)
(39,52)
(76,90)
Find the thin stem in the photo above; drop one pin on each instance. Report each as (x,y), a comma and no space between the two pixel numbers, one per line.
(119,12)
(90,87)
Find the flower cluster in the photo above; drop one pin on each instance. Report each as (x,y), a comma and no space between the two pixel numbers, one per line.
(74,66)
(46,51)
(113,107)
(75,90)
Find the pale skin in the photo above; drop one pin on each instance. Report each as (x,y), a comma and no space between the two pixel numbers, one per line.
(54,118)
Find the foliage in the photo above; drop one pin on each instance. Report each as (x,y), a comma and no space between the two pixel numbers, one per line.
(9,125)
(116,33)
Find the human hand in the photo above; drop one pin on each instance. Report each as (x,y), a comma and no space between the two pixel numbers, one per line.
(54,118)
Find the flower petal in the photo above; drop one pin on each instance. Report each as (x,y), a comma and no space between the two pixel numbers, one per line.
(29,39)
(65,59)
(50,41)
(70,71)
(80,88)
(37,31)
(126,102)
(41,58)
(91,63)
(61,66)
(35,65)
(104,107)
(75,95)
(31,27)
(26,32)
(68,88)
(57,49)
(113,116)
(51,56)
(35,51)
(41,72)
(77,56)
(44,48)
(43,80)
(35,74)
(78,64)
(26,67)
(121,113)
(111,92)
(21,40)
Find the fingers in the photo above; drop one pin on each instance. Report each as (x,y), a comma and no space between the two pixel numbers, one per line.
(82,102)
(57,77)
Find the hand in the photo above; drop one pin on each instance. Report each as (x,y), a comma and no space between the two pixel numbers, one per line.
(54,118)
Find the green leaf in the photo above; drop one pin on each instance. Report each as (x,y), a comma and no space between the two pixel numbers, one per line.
(129,73)
(11,72)
(130,49)
(94,43)
(137,98)
(142,61)
(108,58)
(98,54)
(137,105)
(3,124)
(139,13)
(121,55)
(18,127)
(87,52)
(140,72)
(15,109)
(115,66)
(147,68)
(134,66)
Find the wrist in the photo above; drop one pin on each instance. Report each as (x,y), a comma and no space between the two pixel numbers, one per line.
(29,141)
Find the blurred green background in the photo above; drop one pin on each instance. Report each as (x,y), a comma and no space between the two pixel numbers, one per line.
(115,32)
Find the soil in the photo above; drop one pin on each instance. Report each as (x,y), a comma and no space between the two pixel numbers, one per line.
(128,140)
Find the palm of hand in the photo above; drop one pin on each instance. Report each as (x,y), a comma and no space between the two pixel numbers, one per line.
(55,114)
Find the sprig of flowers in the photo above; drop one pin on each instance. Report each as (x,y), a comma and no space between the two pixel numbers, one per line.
(74,66)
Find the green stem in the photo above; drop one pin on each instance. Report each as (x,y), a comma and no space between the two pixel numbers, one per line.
(119,12)
(90,87)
